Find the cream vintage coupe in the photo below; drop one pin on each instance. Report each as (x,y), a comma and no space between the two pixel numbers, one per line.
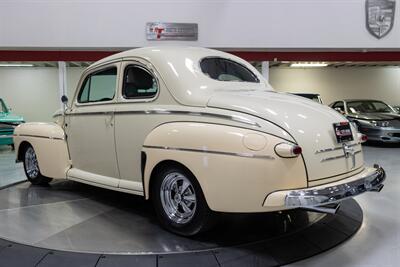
(198,132)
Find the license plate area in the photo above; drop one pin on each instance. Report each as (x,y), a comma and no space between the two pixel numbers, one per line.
(343,132)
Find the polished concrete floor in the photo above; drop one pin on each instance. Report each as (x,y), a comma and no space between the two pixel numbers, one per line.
(376,244)
(9,171)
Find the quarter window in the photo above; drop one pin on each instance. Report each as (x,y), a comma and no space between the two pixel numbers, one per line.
(222,69)
(138,83)
(99,86)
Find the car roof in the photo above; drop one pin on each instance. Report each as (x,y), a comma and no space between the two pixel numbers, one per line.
(179,67)
(350,100)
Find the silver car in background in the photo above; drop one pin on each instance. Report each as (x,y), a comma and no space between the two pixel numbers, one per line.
(374,118)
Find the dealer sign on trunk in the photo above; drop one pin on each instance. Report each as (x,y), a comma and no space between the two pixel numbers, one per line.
(171,31)
(380,16)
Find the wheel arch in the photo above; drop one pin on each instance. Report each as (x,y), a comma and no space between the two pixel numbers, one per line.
(21,149)
(159,166)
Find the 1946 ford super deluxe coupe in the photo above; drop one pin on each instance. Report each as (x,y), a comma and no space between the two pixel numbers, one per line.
(198,132)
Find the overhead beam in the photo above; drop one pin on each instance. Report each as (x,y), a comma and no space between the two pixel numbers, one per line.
(16,55)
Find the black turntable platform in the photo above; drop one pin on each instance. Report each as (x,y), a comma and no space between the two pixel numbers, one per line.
(72,224)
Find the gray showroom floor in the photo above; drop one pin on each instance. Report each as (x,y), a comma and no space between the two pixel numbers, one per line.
(376,244)
(9,171)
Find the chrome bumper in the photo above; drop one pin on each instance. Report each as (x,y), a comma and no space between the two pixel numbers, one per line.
(308,198)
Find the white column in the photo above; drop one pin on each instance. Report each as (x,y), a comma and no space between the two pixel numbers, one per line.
(265,69)
(62,81)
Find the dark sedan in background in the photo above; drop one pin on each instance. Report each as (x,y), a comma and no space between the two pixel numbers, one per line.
(374,118)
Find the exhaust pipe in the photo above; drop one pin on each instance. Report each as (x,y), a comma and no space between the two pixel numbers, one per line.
(330,209)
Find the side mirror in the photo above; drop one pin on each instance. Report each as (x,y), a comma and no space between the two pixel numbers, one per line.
(64,99)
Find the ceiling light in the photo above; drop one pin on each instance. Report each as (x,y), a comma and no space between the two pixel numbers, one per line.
(308,65)
(16,65)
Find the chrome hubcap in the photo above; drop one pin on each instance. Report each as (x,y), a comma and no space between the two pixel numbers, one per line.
(178,198)
(31,163)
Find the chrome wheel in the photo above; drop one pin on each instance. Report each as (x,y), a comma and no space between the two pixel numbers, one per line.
(31,163)
(178,198)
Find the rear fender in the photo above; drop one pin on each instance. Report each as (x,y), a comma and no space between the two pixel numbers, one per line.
(228,163)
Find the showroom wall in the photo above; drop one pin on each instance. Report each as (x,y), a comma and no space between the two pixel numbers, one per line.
(33,92)
(338,83)
(264,24)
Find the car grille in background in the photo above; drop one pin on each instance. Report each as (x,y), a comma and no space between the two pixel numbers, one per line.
(395,135)
(6,126)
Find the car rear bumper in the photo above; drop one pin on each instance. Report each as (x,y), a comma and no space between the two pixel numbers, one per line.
(388,135)
(369,180)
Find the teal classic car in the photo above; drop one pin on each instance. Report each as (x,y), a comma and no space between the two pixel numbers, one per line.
(7,124)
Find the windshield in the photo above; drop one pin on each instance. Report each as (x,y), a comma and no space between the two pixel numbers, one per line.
(226,70)
(3,108)
(368,107)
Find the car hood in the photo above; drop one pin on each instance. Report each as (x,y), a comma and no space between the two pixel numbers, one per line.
(309,123)
(375,116)
(10,118)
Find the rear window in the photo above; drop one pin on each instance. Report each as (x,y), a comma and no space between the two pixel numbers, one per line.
(226,70)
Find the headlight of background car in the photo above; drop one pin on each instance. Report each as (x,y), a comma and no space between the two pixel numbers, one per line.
(380,123)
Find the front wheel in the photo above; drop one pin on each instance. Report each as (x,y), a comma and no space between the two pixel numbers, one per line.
(179,202)
(31,167)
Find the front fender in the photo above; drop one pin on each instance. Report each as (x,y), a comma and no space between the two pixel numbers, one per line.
(235,167)
(49,142)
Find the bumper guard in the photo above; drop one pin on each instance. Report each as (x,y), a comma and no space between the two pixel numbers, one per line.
(308,198)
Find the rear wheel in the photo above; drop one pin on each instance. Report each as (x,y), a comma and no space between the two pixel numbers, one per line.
(179,202)
(31,167)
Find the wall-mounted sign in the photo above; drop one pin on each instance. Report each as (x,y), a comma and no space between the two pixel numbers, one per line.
(380,16)
(171,31)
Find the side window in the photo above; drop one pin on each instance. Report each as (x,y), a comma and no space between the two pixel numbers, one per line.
(99,86)
(138,83)
(339,106)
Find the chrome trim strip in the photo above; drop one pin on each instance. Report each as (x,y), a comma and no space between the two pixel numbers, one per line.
(39,136)
(338,157)
(335,148)
(173,112)
(333,194)
(6,136)
(244,155)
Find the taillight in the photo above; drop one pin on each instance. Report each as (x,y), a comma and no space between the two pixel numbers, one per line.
(362,138)
(288,150)
(296,150)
